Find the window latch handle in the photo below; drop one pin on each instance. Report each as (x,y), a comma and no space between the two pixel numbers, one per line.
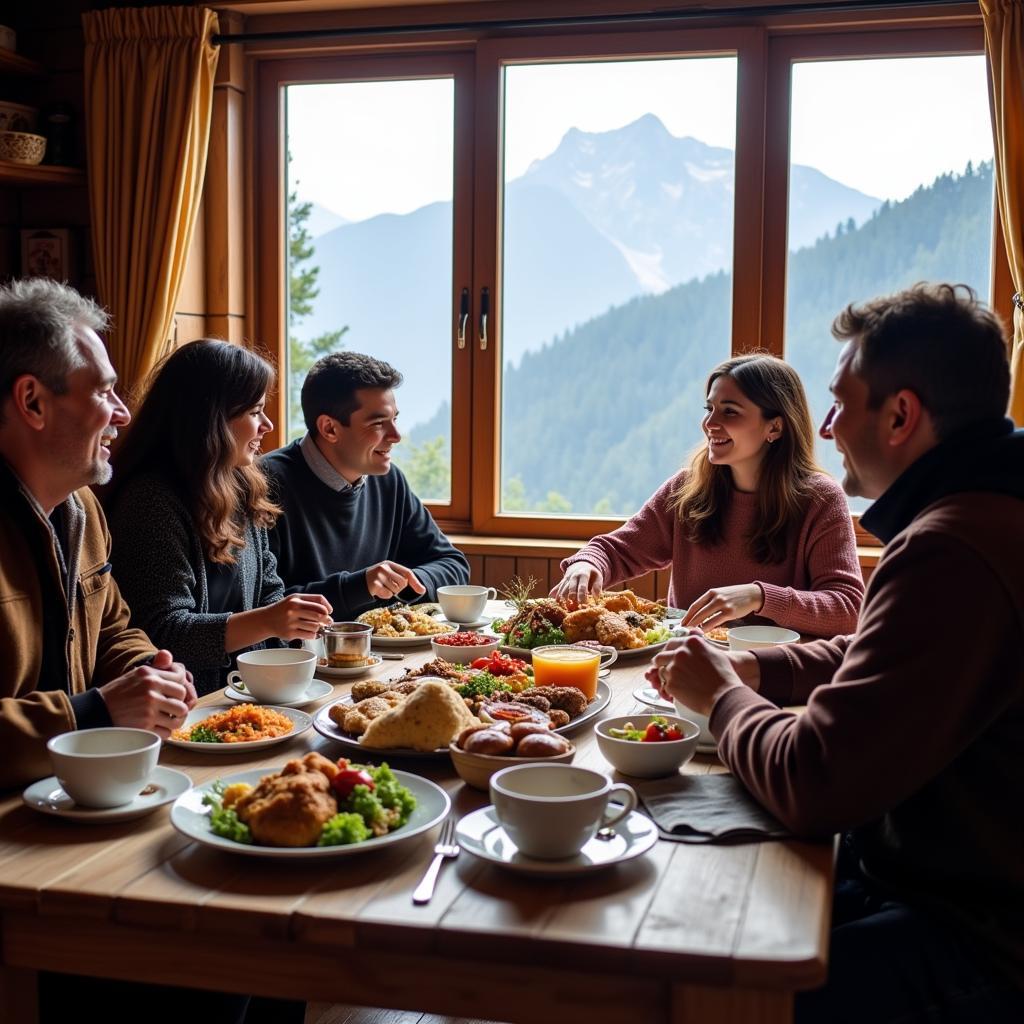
(485,309)
(463,318)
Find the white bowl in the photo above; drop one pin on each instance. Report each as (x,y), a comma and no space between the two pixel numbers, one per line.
(647,760)
(459,655)
(748,638)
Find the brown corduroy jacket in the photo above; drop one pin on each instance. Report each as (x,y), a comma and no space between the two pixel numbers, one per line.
(98,644)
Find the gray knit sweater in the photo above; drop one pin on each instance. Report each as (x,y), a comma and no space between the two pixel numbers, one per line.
(160,567)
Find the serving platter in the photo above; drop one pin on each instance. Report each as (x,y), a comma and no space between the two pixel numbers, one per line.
(192,819)
(324,724)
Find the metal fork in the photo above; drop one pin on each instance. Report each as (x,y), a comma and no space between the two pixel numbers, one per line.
(446,847)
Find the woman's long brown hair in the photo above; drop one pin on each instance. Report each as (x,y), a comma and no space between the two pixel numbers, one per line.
(182,433)
(783,487)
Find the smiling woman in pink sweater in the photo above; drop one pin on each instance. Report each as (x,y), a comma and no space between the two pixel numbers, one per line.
(752,529)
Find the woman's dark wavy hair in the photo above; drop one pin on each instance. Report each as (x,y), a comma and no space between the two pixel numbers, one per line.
(783,487)
(181,432)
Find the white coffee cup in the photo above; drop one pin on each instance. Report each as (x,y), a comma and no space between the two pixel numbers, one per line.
(465,603)
(105,767)
(276,676)
(706,737)
(551,811)
(749,638)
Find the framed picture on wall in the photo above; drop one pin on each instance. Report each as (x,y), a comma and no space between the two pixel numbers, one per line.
(47,252)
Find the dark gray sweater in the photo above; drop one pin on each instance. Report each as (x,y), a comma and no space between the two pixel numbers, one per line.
(326,539)
(158,563)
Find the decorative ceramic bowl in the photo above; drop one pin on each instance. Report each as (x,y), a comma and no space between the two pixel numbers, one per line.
(22,147)
(646,760)
(476,769)
(463,654)
(15,117)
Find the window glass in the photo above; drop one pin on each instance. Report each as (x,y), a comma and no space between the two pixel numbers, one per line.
(616,275)
(904,146)
(369,259)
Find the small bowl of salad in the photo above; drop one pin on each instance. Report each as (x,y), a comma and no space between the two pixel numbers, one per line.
(463,647)
(647,746)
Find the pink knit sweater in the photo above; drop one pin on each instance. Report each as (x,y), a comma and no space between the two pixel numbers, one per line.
(816,589)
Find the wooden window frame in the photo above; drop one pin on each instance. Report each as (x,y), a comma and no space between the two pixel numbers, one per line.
(765,52)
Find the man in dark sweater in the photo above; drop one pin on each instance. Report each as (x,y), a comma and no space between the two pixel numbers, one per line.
(352,528)
(915,747)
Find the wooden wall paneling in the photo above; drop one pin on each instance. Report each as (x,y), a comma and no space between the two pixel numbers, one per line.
(498,571)
(188,327)
(538,569)
(476,569)
(643,586)
(662,577)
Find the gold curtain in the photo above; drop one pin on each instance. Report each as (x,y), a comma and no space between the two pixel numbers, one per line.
(148,98)
(1004,45)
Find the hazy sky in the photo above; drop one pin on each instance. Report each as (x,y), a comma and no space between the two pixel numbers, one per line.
(881,126)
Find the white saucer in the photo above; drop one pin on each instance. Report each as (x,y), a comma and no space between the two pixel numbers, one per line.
(314,691)
(485,621)
(480,834)
(350,673)
(47,796)
(649,695)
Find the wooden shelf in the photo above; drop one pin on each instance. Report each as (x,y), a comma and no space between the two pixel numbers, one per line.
(40,175)
(12,63)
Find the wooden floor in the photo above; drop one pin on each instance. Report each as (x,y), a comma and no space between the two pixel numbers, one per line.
(325,1013)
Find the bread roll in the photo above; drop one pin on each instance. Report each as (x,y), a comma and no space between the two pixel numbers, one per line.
(542,745)
(521,729)
(488,741)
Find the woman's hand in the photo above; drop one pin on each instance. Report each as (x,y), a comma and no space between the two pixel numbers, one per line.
(723,604)
(298,616)
(581,580)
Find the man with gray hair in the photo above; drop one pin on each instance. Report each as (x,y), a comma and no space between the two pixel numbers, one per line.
(70,661)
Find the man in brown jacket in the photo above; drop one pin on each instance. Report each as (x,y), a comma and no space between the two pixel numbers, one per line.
(69,659)
(915,748)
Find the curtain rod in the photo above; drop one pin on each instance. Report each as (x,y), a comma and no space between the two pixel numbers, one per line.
(585,21)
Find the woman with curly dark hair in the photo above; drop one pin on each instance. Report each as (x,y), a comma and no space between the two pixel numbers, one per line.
(752,528)
(189,513)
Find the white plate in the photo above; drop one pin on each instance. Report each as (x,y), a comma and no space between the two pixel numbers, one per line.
(315,691)
(349,673)
(389,642)
(637,652)
(480,834)
(191,818)
(47,796)
(301,720)
(327,727)
(649,695)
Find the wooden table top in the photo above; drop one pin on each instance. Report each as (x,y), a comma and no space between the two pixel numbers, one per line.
(730,930)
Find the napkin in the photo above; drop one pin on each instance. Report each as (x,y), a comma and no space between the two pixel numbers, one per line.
(706,809)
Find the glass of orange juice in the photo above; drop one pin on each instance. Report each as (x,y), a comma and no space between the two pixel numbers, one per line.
(568,665)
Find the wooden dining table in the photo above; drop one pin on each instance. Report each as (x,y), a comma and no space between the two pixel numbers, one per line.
(684,933)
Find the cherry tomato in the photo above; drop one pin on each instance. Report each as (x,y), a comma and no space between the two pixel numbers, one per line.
(673,732)
(348,778)
(653,733)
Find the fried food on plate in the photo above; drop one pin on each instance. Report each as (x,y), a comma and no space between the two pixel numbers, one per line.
(581,624)
(430,717)
(563,698)
(356,719)
(614,630)
(289,809)
(369,688)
